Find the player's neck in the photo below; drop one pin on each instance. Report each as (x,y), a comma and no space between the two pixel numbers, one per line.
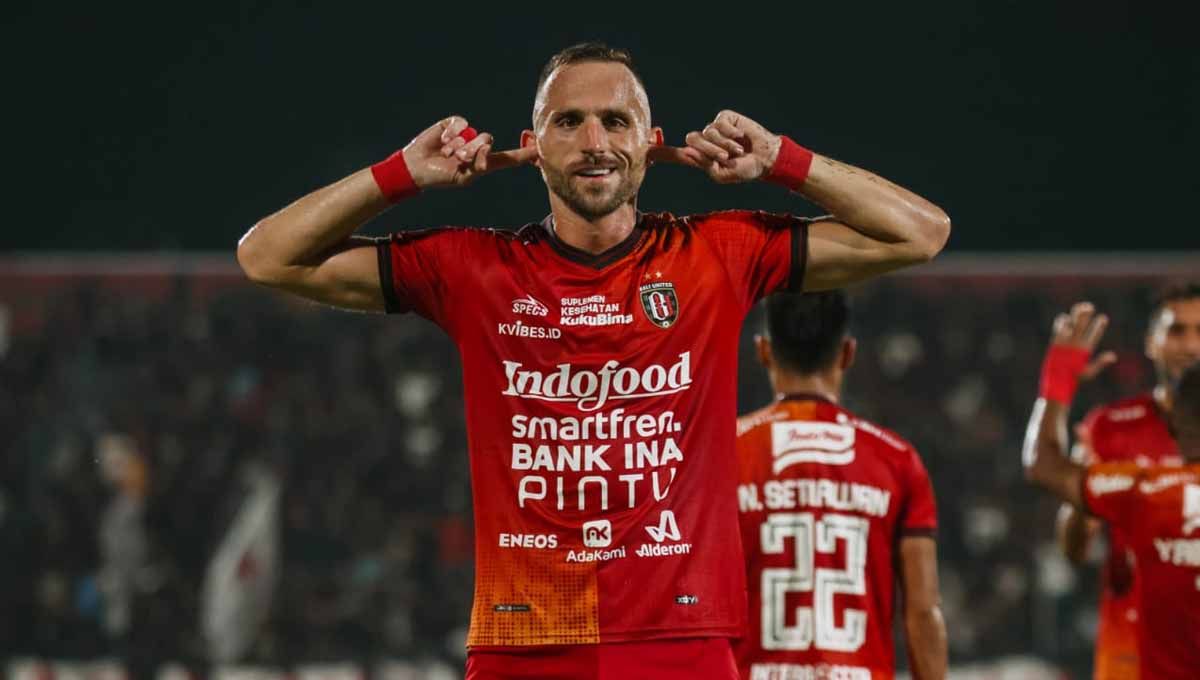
(824,386)
(596,235)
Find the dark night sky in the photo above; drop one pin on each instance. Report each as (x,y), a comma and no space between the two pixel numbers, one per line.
(1037,124)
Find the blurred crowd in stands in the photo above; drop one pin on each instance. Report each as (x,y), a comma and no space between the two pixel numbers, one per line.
(134,410)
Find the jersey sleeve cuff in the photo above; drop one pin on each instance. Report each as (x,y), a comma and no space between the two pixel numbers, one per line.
(919,532)
(391,301)
(795,281)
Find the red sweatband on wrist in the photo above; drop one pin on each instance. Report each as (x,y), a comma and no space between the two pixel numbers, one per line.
(394,179)
(1060,372)
(791,165)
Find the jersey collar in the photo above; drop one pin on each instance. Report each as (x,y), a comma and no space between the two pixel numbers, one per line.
(598,260)
(803,396)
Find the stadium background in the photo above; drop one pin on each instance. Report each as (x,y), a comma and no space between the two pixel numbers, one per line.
(145,389)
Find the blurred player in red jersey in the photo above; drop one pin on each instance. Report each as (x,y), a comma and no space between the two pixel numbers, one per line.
(599,352)
(1131,430)
(1156,508)
(834,510)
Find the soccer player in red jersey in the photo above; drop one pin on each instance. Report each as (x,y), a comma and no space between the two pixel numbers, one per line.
(834,510)
(1156,508)
(1131,430)
(599,352)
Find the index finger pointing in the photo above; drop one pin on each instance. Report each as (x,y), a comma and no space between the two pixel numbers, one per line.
(511,158)
(674,154)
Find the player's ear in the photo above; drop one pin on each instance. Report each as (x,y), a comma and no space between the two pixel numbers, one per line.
(529,139)
(656,136)
(849,352)
(762,348)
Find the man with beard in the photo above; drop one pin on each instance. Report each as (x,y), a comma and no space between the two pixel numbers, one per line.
(599,353)
(1130,430)
(1153,507)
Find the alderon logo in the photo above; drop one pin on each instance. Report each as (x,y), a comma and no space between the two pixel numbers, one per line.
(798,441)
(591,390)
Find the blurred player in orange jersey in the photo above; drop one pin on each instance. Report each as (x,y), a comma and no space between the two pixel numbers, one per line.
(833,511)
(1133,429)
(1155,508)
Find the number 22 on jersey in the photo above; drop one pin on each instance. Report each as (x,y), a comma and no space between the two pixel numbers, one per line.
(815,625)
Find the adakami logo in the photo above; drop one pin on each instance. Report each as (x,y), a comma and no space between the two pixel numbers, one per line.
(597,534)
(529,305)
(591,390)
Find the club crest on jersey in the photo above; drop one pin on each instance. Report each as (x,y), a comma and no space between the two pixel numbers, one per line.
(660,303)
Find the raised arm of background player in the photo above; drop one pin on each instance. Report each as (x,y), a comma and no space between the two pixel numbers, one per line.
(1074,529)
(1044,454)
(924,627)
(308,248)
(876,226)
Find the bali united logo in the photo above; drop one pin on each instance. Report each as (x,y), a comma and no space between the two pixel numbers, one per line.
(660,303)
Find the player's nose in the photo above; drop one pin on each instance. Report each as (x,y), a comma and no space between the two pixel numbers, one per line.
(595,137)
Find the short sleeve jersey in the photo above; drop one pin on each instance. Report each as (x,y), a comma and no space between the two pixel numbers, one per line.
(1158,511)
(824,498)
(1129,430)
(600,399)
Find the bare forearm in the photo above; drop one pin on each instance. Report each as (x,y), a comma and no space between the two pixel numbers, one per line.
(926,634)
(876,207)
(1044,453)
(1074,533)
(307,230)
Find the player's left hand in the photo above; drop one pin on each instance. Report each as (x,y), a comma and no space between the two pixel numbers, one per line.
(1082,328)
(733,148)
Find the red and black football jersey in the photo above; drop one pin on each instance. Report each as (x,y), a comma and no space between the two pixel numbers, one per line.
(824,498)
(1157,510)
(600,404)
(1130,430)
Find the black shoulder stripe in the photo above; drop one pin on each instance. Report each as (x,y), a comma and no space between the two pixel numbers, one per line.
(799,257)
(383,253)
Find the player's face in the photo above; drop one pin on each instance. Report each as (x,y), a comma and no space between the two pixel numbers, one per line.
(592,128)
(1173,343)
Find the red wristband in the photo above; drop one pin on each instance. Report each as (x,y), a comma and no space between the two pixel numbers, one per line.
(394,179)
(1060,372)
(791,165)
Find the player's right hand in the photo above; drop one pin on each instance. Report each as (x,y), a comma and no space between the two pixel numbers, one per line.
(441,157)
(1082,328)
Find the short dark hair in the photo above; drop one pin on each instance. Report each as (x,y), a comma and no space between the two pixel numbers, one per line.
(588,52)
(806,329)
(1185,412)
(1173,292)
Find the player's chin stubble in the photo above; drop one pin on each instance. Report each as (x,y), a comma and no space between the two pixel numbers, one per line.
(593,204)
